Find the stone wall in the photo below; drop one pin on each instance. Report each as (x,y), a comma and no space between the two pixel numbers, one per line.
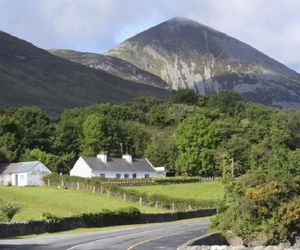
(165,217)
(279,247)
(215,241)
(38,227)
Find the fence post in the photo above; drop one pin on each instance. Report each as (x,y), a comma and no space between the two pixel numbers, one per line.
(78,186)
(173,207)
(108,194)
(124,197)
(101,189)
(190,207)
(156,204)
(49,183)
(94,189)
(62,183)
(140,202)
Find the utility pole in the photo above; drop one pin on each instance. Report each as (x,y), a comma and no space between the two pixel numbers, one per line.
(232,167)
(121,145)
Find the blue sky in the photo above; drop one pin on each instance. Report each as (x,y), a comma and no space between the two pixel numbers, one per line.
(272,26)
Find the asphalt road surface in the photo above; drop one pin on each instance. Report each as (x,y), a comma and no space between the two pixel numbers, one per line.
(155,236)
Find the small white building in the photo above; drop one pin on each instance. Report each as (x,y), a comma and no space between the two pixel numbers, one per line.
(108,167)
(23,173)
(164,172)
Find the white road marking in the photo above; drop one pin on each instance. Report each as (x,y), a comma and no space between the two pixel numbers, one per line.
(156,238)
(114,237)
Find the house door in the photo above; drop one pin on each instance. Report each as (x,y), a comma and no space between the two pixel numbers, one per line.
(16,180)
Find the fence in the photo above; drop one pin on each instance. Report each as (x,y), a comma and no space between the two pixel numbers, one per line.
(128,182)
(155,200)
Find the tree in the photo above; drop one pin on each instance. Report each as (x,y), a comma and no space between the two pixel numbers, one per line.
(197,138)
(56,163)
(162,152)
(35,126)
(67,137)
(11,143)
(135,137)
(184,96)
(227,101)
(100,134)
(140,106)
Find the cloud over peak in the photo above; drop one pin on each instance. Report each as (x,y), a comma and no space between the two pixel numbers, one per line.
(97,25)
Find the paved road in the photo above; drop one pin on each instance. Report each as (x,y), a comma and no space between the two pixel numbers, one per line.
(156,236)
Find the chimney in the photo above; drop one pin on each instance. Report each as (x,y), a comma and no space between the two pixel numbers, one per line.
(127,157)
(102,157)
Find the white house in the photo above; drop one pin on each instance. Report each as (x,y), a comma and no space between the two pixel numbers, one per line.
(108,167)
(23,173)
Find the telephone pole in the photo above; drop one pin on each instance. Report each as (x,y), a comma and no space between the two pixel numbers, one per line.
(232,167)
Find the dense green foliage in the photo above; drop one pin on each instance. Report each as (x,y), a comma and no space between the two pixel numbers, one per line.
(262,206)
(194,135)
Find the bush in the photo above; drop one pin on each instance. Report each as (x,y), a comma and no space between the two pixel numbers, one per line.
(9,209)
(106,217)
(263,207)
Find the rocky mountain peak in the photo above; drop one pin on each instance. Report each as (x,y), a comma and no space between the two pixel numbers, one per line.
(187,54)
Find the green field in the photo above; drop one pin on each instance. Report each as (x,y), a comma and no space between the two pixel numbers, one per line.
(198,191)
(37,200)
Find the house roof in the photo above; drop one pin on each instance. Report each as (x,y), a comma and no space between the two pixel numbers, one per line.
(119,165)
(20,167)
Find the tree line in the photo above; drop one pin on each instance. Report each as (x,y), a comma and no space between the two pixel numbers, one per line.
(196,135)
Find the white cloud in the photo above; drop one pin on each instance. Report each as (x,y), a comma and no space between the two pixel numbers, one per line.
(272,26)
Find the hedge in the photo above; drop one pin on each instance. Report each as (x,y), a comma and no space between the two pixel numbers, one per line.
(104,218)
(125,182)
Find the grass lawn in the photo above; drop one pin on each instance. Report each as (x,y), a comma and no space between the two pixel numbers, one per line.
(37,200)
(198,191)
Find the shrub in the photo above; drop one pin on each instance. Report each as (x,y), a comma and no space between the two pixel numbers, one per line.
(106,217)
(9,209)
(263,207)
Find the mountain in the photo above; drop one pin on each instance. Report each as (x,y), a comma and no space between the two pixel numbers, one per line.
(111,65)
(33,76)
(187,54)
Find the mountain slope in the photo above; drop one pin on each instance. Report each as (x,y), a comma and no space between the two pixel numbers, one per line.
(111,65)
(187,54)
(32,76)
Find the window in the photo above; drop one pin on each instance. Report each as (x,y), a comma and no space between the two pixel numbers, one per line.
(126,176)
(118,176)
(102,175)
(133,176)
(147,176)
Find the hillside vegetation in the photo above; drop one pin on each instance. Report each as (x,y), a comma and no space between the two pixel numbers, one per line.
(198,136)
(32,76)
